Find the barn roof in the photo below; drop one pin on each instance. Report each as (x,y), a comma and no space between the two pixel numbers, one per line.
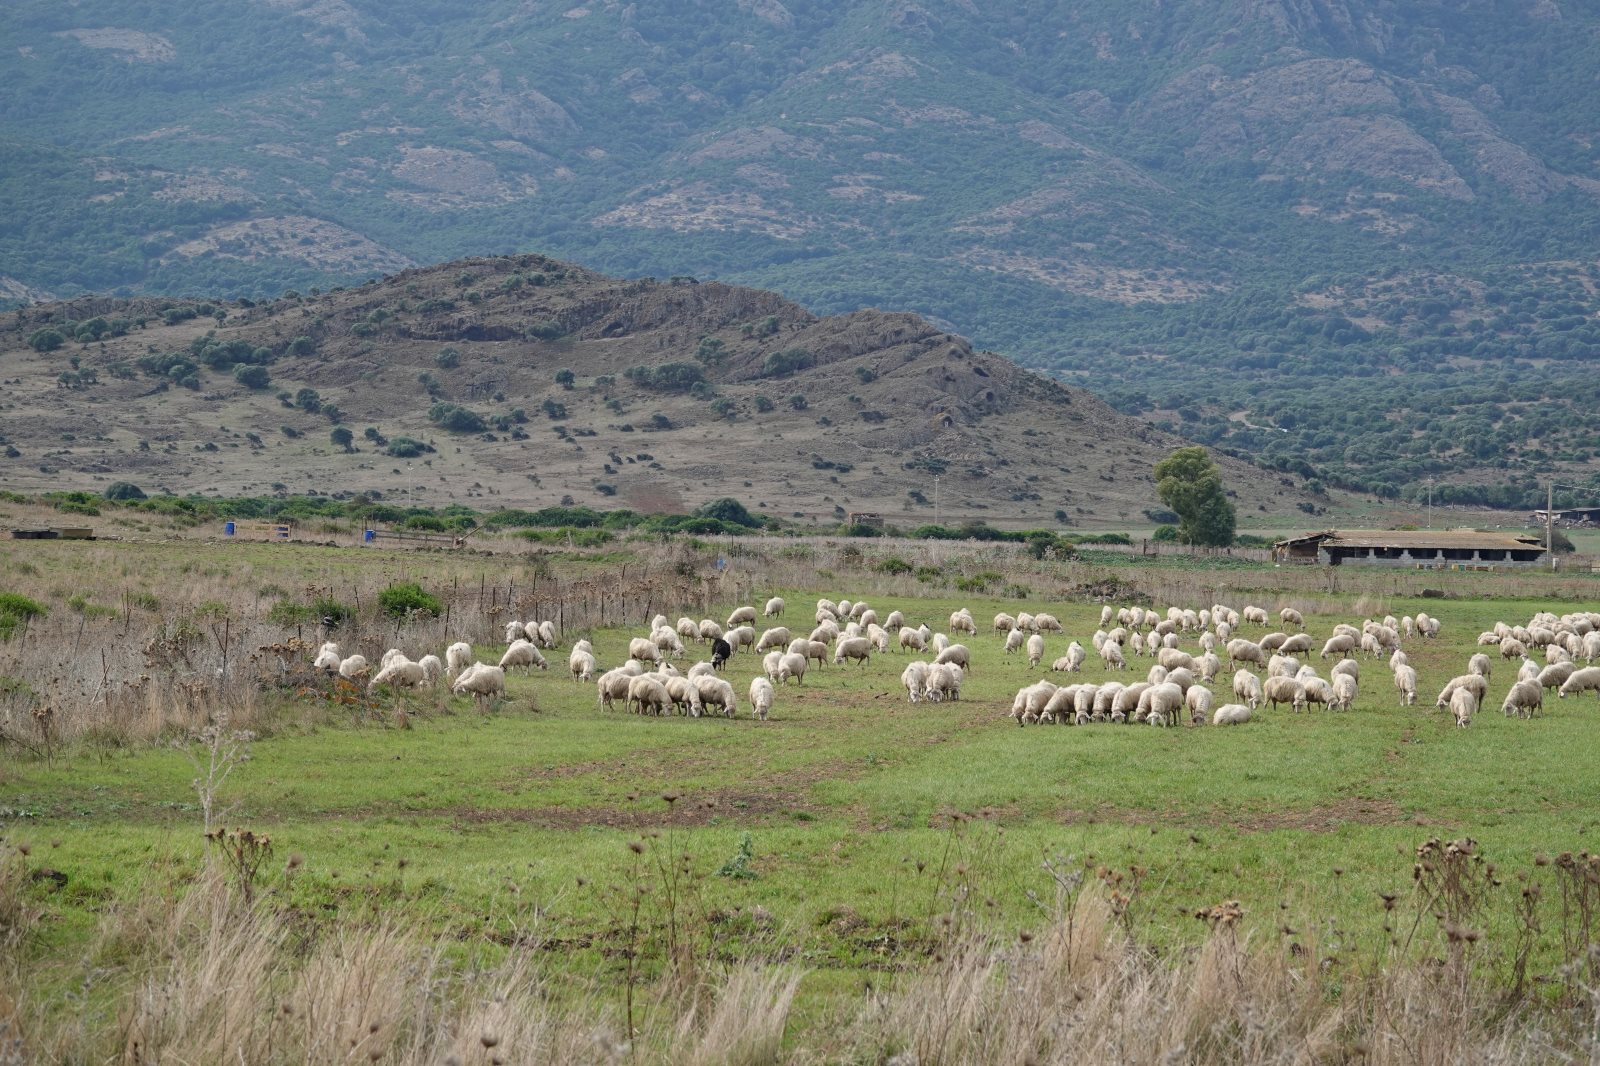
(1463,539)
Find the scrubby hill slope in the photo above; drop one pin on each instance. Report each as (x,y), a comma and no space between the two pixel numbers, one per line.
(679,392)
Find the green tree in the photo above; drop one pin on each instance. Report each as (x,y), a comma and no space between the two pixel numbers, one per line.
(565,378)
(728,509)
(46,340)
(342,437)
(308,400)
(1190,482)
(252,376)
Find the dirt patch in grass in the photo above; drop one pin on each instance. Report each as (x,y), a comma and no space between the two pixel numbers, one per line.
(687,810)
(1319,820)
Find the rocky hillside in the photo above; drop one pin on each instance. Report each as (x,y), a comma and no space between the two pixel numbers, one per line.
(1132,196)
(523,382)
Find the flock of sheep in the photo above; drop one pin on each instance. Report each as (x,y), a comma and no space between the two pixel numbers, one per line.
(1177,684)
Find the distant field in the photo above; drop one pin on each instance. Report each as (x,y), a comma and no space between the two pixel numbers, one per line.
(837,836)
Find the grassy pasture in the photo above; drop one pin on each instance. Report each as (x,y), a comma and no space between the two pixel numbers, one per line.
(850,831)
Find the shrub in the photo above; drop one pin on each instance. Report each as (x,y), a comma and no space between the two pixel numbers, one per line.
(407,448)
(893,567)
(1165,535)
(16,611)
(252,376)
(123,490)
(447,359)
(46,339)
(330,610)
(728,509)
(307,399)
(456,419)
(406,597)
(786,362)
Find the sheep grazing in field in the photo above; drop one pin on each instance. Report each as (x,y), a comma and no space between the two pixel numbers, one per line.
(523,653)
(857,648)
(1247,687)
(915,678)
(738,637)
(1473,683)
(1046,623)
(1030,702)
(1554,676)
(957,654)
(647,695)
(581,664)
(432,669)
(1338,645)
(762,695)
(1136,644)
(1198,699)
(1512,648)
(701,669)
(1111,656)
(1271,642)
(776,637)
(1480,664)
(1156,674)
(740,615)
(1344,692)
(327,658)
(1278,690)
(1463,705)
(399,673)
(1524,700)
(1025,621)
(1282,666)
(1291,617)
(1004,623)
(353,667)
(1581,681)
(717,693)
(961,622)
(869,619)
(1316,690)
(685,696)
(1405,682)
(944,682)
(644,649)
(895,622)
(911,640)
(1166,700)
(1171,658)
(457,657)
(771,663)
(1256,615)
(774,608)
(1061,707)
(1184,679)
(547,634)
(1072,661)
(828,632)
(612,686)
(1298,644)
(688,628)
(721,652)
(515,630)
(1399,658)
(794,666)
(1244,651)
(667,643)
(1015,639)
(1346,666)
(480,681)
(709,630)
(1035,649)
(1528,671)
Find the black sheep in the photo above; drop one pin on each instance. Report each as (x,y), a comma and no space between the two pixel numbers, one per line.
(720,651)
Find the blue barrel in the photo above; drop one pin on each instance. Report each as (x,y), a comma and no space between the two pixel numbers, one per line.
(368,536)
(227,527)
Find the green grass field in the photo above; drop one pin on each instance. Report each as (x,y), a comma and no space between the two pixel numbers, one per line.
(840,834)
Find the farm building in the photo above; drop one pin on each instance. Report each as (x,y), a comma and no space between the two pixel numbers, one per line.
(1417,548)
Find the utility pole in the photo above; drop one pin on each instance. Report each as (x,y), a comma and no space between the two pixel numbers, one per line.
(1550,522)
(936,499)
(1430,503)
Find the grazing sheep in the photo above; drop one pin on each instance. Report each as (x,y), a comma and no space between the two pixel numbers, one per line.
(1061,706)
(938,643)
(828,632)
(647,694)
(776,637)
(739,637)
(667,642)
(481,681)
(1554,676)
(1344,692)
(1198,700)
(771,663)
(1136,644)
(517,629)
(715,692)
(581,665)
(1524,700)
(1166,700)
(961,622)
(611,686)
(1171,658)
(1480,664)
(857,648)
(1272,641)
(457,657)
(1316,690)
(1244,651)
(1127,701)
(1346,666)
(1184,679)
(1580,681)
(944,681)
(761,697)
(1298,644)
(1247,687)
(709,630)
(1463,705)
(1015,639)
(1025,621)
(1257,615)
(915,678)
(1282,666)
(399,673)
(774,608)
(547,634)
(1046,623)
(741,615)
(432,669)
(1230,714)
(1073,659)
(1291,617)
(1338,644)
(1105,698)
(688,628)
(895,622)
(1399,658)
(1004,623)
(721,652)
(523,653)
(1405,682)
(1473,683)
(327,658)
(911,639)
(792,666)
(685,696)
(644,649)
(1111,655)
(1156,674)
(701,669)
(1035,649)
(353,667)
(1284,690)
(958,654)
(1030,702)
(1512,648)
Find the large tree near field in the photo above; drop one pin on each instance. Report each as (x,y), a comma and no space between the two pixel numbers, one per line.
(1190,483)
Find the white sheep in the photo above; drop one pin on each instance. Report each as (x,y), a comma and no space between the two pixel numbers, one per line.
(1284,690)
(1198,700)
(688,628)
(1346,666)
(1035,649)
(1405,682)
(1555,675)
(1230,714)
(353,667)
(895,622)
(1046,623)
(1247,687)
(432,669)
(957,654)
(457,657)
(646,694)
(1344,692)
(1512,648)
(716,692)
(327,658)
(857,648)
(771,663)
(685,695)
(523,653)
(515,630)
(944,682)
(644,649)
(1166,700)
(1581,681)
(915,678)
(761,697)
(792,666)
(611,686)
(400,673)
(1257,615)
(1291,617)
(667,642)
(481,681)
(774,607)
(740,637)
(1338,644)
(1029,702)
(1111,655)
(741,615)
(961,622)
(581,664)
(1015,639)
(1004,623)
(1245,651)
(1524,699)
(701,669)
(709,630)
(776,637)
(1298,644)
(1463,705)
